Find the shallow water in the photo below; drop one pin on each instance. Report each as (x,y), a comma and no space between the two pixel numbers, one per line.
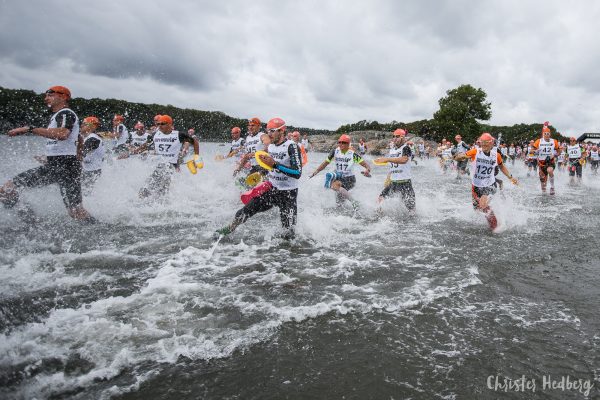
(357,306)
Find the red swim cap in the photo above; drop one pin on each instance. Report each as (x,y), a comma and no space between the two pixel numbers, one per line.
(276,123)
(486,137)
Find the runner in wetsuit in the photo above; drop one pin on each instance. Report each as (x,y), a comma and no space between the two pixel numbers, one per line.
(547,148)
(485,159)
(295,136)
(63,161)
(460,148)
(255,141)
(530,157)
(168,144)
(343,179)
(576,155)
(400,176)
(237,144)
(93,154)
(120,134)
(283,179)
(594,159)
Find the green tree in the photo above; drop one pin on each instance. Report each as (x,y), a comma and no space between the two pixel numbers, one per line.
(23,107)
(460,111)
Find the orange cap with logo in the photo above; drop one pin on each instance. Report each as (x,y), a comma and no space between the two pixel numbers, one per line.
(165,119)
(119,118)
(91,120)
(276,123)
(399,132)
(254,121)
(486,137)
(60,90)
(344,138)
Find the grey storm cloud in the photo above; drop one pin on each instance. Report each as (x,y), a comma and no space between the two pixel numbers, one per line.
(109,41)
(320,64)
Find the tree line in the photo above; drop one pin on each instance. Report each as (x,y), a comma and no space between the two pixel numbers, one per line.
(25,107)
(461,112)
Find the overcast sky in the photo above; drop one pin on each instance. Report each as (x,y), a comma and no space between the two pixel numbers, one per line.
(317,64)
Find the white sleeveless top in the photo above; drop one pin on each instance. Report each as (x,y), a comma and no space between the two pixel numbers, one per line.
(344,162)
(122,139)
(574,152)
(253,144)
(67,147)
(545,149)
(167,146)
(236,144)
(280,154)
(399,172)
(138,140)
(93,160)
(482,169)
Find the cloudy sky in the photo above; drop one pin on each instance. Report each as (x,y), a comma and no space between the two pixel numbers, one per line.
(317,64)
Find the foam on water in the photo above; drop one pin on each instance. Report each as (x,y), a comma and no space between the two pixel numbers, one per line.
(184,297)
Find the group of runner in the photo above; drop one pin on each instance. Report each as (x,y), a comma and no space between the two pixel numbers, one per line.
(75,153)
(268,165)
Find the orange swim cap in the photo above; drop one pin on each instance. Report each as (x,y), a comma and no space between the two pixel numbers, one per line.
(91,120)
(254,121)
(345,138)
(276,123)
(486,137)
(60,90)
(165,119)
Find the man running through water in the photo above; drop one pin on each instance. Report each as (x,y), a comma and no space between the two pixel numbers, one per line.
(460,148)
(93,154)
(512,153)
(400,176)
(576,157)
(547,149)
(445,154)
(306,143)
(120,134)
(530,157)
(484,160)
(295,136)
(139,137)
(63,161)
(168,144)
(255,141)
(281,188)
(594,159)
(362,147)
(237,144)
(343,179)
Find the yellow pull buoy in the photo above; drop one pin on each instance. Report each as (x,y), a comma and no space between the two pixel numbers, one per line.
(260,162)
(253,179)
